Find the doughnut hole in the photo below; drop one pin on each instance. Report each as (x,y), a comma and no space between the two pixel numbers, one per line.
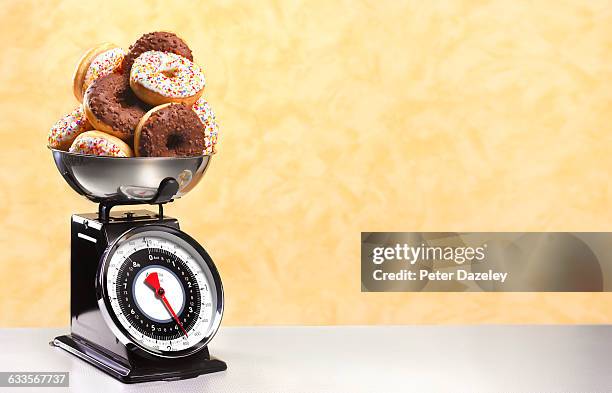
(171,73)
(174,141)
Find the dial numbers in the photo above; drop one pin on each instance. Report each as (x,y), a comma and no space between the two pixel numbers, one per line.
(143,309)
(140,309)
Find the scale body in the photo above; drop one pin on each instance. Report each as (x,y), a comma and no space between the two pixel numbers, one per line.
(146,298)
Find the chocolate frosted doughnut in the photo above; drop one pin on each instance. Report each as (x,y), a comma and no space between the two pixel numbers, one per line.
(161,41)
(111,106)
(170,130)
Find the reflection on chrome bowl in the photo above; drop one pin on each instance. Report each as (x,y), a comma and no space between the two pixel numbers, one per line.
(120,180)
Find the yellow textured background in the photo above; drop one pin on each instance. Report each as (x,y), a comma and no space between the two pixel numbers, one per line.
(337,117)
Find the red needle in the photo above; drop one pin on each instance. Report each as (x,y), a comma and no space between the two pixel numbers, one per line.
(152,280)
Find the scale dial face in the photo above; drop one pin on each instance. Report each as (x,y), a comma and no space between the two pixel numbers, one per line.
(161,291)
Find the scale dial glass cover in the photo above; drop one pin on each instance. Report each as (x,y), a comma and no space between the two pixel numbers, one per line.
(160,291)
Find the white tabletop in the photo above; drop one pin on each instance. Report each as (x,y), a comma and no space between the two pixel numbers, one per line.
(360,359)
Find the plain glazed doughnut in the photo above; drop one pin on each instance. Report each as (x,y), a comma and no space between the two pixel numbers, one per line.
(211,128)
(100,144)
(96,62)
(162,41)
(169,130)
(111,106)
(160,78)
(63,133)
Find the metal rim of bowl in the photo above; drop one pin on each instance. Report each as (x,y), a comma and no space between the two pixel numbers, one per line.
(125,158)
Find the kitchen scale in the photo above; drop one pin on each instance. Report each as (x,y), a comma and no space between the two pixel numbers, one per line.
(146,298)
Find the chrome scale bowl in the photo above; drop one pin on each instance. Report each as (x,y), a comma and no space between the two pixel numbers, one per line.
(118,180)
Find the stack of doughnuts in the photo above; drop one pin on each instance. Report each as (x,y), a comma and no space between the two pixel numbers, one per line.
(145,102)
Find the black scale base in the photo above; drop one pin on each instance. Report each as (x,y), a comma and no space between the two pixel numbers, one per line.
(91,340)
(139,368)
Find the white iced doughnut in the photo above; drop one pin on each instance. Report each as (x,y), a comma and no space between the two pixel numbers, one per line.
(211,128)
(159,78)
(100,60)
(63,133)
(100,144)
